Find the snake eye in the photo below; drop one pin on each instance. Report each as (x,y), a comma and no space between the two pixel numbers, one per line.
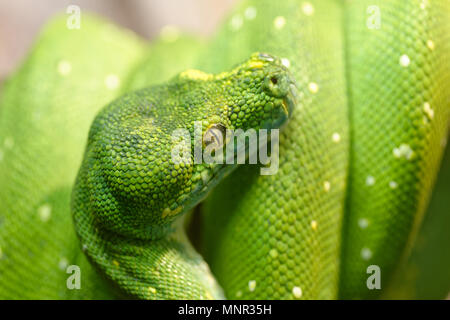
(215,136)
(276,85)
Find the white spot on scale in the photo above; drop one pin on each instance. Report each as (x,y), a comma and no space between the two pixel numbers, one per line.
(45,212)
(424,4)
(279,22)
(64,67)
(336,137)
(313,87)
(286,62)
(307,8)
(297,292)
(363,223)
(112,81)
(314,225)
(63,263)
(236,22)
(366,253)
(404,150)
(250,13)
(239,294)
(251,285)
(428,111)
(404,61)
(8,143)
(370,180)
(326,186)
(430,44)
(393,185)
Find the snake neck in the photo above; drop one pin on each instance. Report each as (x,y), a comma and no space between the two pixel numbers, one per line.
(163,267)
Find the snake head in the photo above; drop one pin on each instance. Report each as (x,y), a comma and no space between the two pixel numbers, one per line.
(136,143)
(266,94)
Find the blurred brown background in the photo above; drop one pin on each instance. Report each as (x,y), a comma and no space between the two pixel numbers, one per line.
(21,20)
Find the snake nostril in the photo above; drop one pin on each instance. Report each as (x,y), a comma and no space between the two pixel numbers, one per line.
(274,80)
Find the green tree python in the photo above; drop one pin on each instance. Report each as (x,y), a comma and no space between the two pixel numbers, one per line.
(85,179)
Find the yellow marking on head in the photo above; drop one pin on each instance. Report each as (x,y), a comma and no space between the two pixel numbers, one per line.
(256,64)
(285,108)
(168,212)
(147,125)
(116,263)
(194,74)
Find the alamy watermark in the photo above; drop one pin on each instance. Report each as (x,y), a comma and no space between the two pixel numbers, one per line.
(74,19)
(374,17)
(74,280)
(374,280)
(219,145)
